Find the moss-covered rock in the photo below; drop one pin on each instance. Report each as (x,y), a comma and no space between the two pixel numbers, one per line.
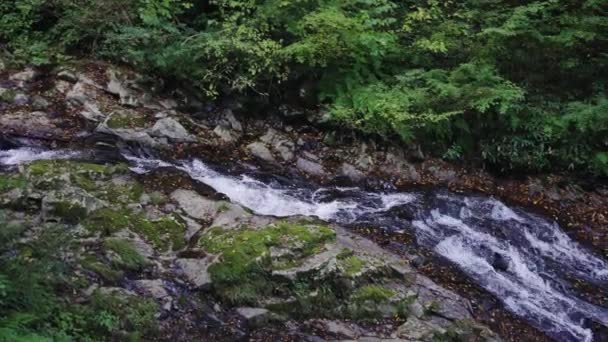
(126,119)
(165,233)
(11,181)
(124,255)
(243,274)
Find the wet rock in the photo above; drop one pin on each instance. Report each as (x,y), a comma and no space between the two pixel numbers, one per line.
(500,262)
(441,174)
(351,172)
(196,270)
(195,205)
(310,167)
(395,164)
(32,125)
(260,151)
(172,129)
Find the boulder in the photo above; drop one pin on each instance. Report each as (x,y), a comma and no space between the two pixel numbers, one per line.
(24,76)
(227,135)
(310,167)
(351,172)
(170,128)
(118,86)
(194,205)
(254,317)
(260,151)
(196,270)
(36,125)
(320,264)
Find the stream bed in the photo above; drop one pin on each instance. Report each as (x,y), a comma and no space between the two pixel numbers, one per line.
(521,258)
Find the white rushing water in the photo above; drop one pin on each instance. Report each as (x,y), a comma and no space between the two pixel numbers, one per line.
(519,257)
(28,154)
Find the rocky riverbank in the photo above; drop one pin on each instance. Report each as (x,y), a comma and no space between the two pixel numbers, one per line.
(199,267)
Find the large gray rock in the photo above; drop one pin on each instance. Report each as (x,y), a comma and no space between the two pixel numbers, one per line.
(118,86)
(32,125)
(172,129)
(279,143)
(196,270)
(320,264)
(24,76)
(195,205)
(351,172)
(260,151)
(397,165)
(310,167)
(79,94)
(254,316)
(227,135)
(138,135)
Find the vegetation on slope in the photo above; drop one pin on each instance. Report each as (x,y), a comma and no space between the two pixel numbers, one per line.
(513,84)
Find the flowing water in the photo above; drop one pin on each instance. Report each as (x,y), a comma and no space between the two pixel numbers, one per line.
(521,258)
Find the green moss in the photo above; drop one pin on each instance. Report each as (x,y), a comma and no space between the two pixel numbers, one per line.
(107,273)
(108,221)
(352,265)
(167,232)
(117,194)
(58,167)
(9,182)
(69,211)
(8,96)
(158,198)
(135,314)
(125,121)
(246,264)
(223,207)
(372,293)
(128,257)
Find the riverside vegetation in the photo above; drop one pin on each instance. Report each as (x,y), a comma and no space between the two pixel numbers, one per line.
(513,85)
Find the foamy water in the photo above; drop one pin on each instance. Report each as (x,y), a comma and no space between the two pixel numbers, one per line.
(28,154)
(469,231)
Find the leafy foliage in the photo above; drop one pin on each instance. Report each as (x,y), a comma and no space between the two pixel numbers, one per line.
(514,84)
(36,282)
